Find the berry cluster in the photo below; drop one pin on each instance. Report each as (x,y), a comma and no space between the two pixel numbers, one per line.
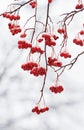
(36,49)
(13,26)
(65,54)
(11,16)
(39,110)
(61,30)
(33,4)
(29,66)
(23,44)
(47,37)
(14,29)
(79,6)
(56,89)
(49,40)
(54,62)
(78,42)
(38,71)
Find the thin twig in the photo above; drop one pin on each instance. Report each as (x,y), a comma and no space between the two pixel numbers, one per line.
(18,8)
(70,65)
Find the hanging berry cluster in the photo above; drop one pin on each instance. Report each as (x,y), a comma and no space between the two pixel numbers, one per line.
(40,110)
(33,4)
(39,43)
(13,25)
(56,89)
(79,5)
(79,39)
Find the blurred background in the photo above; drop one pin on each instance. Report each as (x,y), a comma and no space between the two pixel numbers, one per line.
(19,92)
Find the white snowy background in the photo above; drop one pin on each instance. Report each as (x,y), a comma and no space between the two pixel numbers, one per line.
(19,91)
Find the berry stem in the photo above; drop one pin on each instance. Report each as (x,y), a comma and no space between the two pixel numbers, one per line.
(34,24)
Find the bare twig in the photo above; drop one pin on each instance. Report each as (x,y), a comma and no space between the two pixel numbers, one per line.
(18,8)
(70,16)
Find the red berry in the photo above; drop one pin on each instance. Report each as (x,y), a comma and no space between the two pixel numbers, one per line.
(49,1)
(23,35)
(47,108)
(60,30)
(4,14)
(46,36)
(38,111)
(55,37)
(33,4)
(18,17)
(11,17)
(80,42)
(81,32)
(40,40)
(75,41)
(59,89)
(35,109)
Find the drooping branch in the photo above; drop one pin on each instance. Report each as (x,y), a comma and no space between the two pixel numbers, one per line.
(39,44)
(69,16)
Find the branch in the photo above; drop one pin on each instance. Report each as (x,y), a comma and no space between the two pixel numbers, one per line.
(70,65)
(18,8)
(42,89)
(70,15)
